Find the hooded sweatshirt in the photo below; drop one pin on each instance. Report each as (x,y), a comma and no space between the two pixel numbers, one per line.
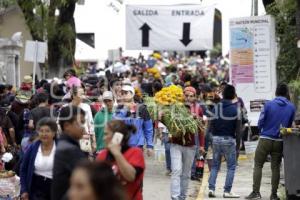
(279,112)
(140,118)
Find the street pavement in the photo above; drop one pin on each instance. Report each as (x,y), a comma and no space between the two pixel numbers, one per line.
(243,180)
(157,184)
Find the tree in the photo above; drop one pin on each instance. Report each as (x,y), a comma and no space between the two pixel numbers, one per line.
(288,60)
(6,3)
(267,3)
(59,31)
(62,34)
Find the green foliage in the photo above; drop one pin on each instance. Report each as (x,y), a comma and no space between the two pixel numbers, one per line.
(58,31)
(295,92)
(6,3)
(288,60)
(216,51)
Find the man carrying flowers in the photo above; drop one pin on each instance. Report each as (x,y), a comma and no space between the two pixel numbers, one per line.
(183,150)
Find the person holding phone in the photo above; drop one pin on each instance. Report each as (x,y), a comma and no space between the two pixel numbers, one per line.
(127,162)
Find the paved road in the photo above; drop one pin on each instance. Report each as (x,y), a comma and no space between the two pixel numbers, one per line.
(157,184)
(243,181)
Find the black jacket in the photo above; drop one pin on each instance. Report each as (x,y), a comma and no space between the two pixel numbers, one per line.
(226,119)
(67,156)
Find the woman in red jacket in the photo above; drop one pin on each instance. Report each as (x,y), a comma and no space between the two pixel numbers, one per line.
(127,162)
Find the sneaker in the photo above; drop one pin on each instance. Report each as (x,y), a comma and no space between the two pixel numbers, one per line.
(168,173)
(253,196)
(274,197)
(231,195)
(211,194)
(195,178)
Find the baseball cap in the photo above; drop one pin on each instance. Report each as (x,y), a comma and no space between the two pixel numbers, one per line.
(128,88)
(108,95)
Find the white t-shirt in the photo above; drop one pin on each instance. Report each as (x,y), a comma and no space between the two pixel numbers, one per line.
(43,165)
(89,121)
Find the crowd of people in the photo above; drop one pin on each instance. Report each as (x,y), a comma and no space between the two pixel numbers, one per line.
(86,137)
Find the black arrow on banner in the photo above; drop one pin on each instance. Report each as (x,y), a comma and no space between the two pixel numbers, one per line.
(145,35)
(186,34)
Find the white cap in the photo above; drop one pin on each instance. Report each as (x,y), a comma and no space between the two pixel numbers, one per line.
(108,95)
(128,88)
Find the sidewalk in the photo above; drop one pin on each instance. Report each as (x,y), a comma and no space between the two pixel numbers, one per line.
(157,184)
(242,182)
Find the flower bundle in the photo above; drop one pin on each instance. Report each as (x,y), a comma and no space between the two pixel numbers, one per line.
(167,106)
(138,92)
(169,96)
(290,131)
(154,71)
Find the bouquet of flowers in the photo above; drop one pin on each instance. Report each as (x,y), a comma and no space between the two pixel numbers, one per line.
(289,131)
(167,106)
(169,96)
(154,71)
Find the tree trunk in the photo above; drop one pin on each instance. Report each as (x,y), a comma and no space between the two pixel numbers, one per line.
(62,40)
(27,9)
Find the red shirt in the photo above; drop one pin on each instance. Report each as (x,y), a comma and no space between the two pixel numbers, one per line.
(135,157)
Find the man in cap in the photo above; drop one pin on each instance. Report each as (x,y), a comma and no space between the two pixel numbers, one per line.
(102,117)
(137,115)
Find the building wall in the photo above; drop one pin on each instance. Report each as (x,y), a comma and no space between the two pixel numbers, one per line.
(10,23)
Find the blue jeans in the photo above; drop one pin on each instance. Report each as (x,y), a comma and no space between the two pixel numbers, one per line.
(208,140)
(167,145)
(182,159)
(223,146)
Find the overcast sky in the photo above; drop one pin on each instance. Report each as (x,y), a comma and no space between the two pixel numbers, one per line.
(109,26)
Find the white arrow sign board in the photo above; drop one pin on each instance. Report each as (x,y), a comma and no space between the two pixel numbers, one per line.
(177,27)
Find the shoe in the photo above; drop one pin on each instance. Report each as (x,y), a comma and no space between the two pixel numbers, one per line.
(274,197)
(231,195)
(253,196)
(168,173)
(211,194)
(195,178)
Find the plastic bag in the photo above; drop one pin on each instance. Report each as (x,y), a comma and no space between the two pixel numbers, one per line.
(9,187)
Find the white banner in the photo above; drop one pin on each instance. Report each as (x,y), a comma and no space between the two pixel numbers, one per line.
(177,27)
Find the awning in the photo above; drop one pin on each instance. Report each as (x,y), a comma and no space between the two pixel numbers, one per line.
(84,52)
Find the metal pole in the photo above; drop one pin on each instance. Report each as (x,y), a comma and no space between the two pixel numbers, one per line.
(35,65)
(255,7)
